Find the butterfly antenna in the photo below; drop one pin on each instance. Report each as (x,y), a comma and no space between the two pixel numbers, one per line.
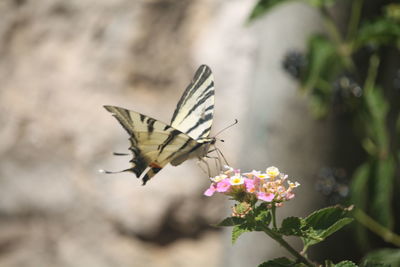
(227,127)
(111,172)
(120,154)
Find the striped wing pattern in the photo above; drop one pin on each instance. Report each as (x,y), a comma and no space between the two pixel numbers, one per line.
(194,112)
(153,143)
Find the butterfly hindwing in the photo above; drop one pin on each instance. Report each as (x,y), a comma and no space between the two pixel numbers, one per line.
(153,143)
(194,112)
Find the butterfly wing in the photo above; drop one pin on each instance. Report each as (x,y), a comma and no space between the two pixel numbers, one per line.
(153,143)
(194,112)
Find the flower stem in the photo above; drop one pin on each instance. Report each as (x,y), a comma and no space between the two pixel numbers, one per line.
(377,228)
(342,48)
(278,238)
(273,214)
(354,18)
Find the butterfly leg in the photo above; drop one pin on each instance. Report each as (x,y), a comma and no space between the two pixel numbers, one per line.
(219,152)
(217,162)
(202,161)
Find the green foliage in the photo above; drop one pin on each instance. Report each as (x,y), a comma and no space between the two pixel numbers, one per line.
(345,264)
(392,11)
(320,57)
(238,230)
(280,262)
(328,58)
(231,221)
(383,31)
(323,223)
(382,258)
(383,181)
(292,226)
(263,6)
(313,229)
(373,187)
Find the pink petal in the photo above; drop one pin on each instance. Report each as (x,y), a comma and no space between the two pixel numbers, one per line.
(250,185)
(210,191)
(265,197)
(224,185)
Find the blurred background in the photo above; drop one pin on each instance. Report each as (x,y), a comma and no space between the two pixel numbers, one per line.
(315,86)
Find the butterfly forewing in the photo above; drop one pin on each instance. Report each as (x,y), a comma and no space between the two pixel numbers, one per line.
(153,143)
(194,112)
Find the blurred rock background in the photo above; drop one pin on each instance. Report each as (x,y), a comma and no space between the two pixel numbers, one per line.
(60,61)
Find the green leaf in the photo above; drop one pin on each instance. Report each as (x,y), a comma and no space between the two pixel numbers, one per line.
(321,3)
(345,264)
(237,231)
(322,223)
(263,6)
(377,33)
(291,226)
(321,53)
(262,217)
(231,221)
(385,257)
(278,262)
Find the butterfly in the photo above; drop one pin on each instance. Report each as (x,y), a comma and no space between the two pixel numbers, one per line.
(154,144)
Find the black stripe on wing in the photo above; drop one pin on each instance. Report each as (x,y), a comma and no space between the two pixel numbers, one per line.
(200,122)
(201,75)
(201,100)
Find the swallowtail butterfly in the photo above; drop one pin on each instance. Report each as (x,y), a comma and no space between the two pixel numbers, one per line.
(154,144)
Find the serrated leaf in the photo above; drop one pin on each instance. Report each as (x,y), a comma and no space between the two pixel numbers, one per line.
(237,231)
(291,226)
(263,216)
(385,257)
(345,264)
(324,218)
(231,221)
(278,262)
(323,223)
(263,6)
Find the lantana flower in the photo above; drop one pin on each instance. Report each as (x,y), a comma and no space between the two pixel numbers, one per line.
(271,187)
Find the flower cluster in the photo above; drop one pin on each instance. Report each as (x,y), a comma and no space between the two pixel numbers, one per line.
(272,186)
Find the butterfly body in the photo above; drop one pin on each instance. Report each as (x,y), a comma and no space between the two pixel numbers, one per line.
(154,144)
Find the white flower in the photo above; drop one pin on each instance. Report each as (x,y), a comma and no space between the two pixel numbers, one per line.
(218,178)
(293,185)
(272,172)
(236,180)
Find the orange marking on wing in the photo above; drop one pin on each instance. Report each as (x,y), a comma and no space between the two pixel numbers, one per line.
(155,165)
